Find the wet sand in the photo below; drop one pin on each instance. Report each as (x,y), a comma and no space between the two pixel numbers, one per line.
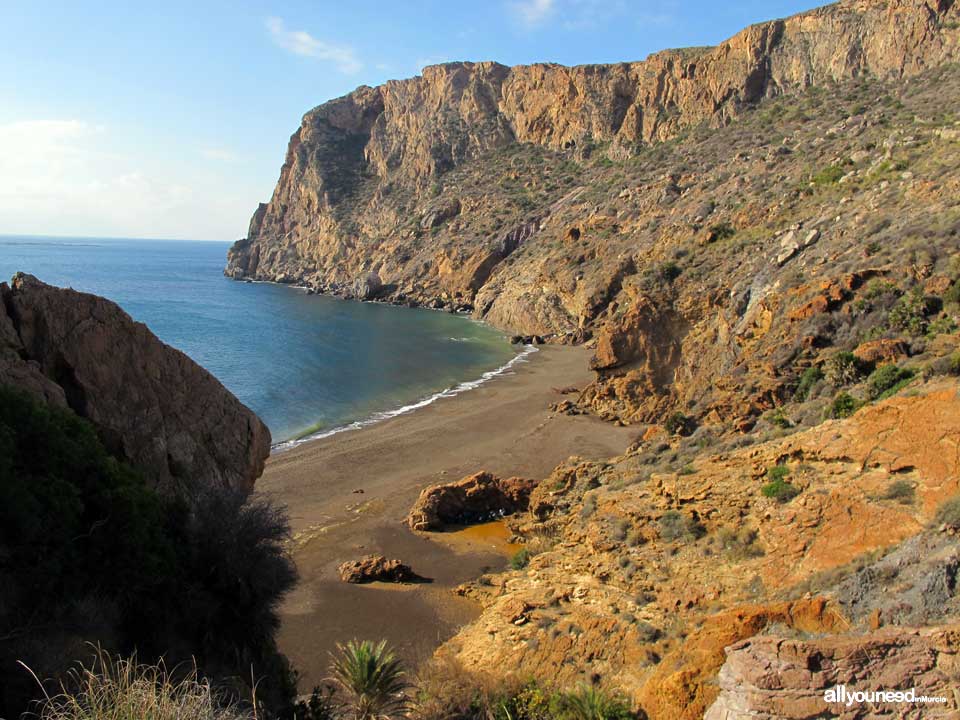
(348,495)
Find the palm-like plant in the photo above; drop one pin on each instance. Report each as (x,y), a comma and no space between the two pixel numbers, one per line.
(373,677)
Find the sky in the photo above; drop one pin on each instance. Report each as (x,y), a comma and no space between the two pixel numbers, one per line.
(171,119)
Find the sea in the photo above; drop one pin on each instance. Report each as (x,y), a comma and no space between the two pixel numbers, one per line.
(308,365)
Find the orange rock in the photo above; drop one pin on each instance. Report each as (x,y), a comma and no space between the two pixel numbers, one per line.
(881,351)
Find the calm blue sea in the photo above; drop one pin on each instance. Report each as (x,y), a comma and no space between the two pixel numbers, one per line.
(306,364)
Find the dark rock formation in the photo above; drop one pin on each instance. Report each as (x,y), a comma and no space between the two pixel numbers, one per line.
(473,499)
(151,404)
(377,568)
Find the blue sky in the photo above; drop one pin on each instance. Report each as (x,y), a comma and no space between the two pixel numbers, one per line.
(171,119)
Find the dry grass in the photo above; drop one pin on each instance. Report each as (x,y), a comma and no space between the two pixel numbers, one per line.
(122,689)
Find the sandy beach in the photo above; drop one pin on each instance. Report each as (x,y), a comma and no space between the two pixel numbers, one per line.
(349,493)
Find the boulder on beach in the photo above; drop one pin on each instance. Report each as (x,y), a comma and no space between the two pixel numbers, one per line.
(476,498)
(377,568)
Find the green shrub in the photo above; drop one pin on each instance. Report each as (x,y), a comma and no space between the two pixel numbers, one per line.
(810,377)
(780,490)
(520,559)
(949,365)
(779,418)
(952,295)
(901,491)
(910,313)
(843,406)
(941,326)
(679,424)
(677,526)
(721,231)
(777,472)
(828,175)
(886,380)
(843,368)
(590,703)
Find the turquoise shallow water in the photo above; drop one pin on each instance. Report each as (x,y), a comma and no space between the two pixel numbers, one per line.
(305,363)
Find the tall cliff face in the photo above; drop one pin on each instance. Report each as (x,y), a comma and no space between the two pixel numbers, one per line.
(367,187)
(151,404)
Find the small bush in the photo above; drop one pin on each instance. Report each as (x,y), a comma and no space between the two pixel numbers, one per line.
(590,703)
(844,368)
(679,424)
(943,366)
(843,406)
(910,313)
(901,491)
(721,231)
(739,544)
(780,490)
(941,326)
(777,472)
(828,176)
(810,377)
(780,419)
(669,271)
(949,513)
(952,295)
(520,559)
(887,380)
(677,526)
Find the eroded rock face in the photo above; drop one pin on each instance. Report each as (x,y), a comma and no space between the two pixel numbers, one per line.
(150,403)
(473,499)
(339,207)
(771,678)
(377,568)
(649,574)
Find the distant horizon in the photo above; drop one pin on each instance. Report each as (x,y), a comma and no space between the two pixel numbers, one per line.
(109,238)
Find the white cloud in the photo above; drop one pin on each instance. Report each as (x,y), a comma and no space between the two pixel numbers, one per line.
(304,44)
(533,12)
(66,177)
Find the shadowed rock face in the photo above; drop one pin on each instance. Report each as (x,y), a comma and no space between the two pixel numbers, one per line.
(150,403)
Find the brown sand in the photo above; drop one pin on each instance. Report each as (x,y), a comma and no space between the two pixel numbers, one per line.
(504,426)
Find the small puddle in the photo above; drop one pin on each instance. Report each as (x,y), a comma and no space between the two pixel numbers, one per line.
(493,536)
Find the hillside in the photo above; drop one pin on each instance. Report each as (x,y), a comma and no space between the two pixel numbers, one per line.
(759,243)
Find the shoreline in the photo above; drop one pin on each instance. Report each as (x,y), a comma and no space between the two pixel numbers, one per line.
(384,415)
(348,494)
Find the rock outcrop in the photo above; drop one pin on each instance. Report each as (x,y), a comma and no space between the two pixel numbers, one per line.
(377,568)
(770,677)
(151,404)
(641,575)
(473,499)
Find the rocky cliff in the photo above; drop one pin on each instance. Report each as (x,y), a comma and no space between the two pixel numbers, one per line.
(357,190)
(151,404)
(670,209)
